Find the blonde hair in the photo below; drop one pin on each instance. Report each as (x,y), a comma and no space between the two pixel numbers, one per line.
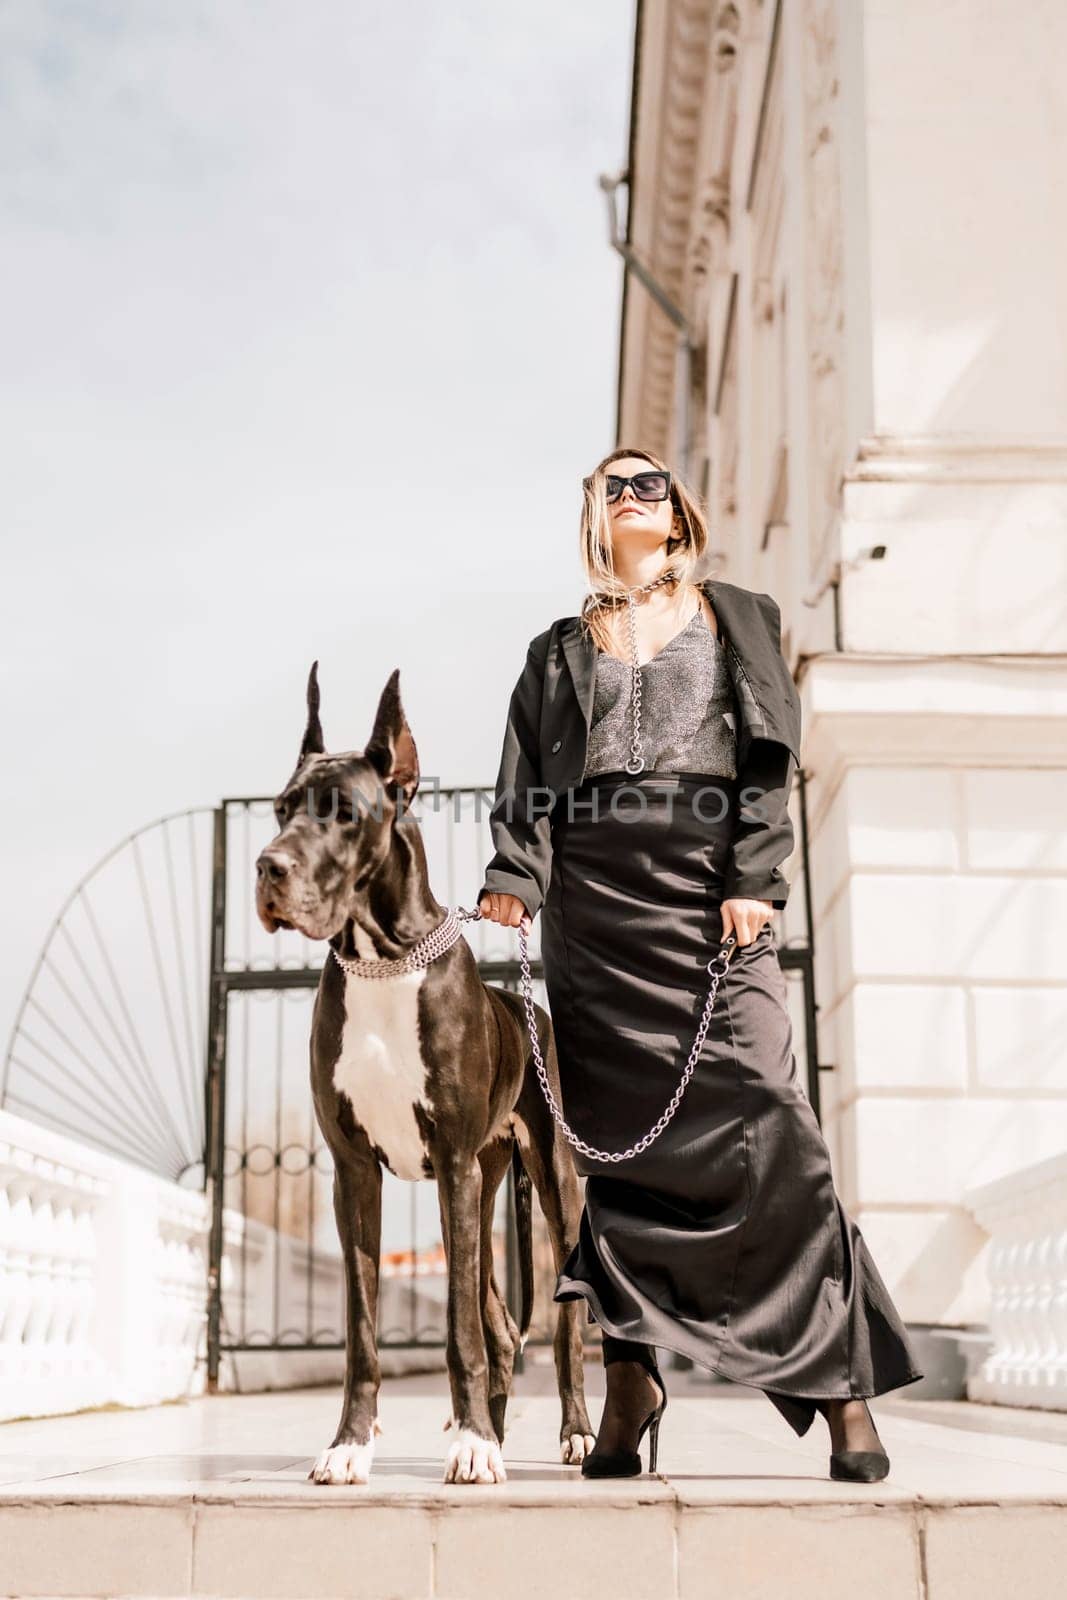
(686,544)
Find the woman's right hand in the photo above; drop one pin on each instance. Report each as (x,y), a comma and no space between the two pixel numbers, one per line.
(506,909)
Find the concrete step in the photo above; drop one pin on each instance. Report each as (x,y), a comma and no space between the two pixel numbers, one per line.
(211,1498)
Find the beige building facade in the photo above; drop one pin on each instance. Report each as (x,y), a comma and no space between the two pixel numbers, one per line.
(857,205)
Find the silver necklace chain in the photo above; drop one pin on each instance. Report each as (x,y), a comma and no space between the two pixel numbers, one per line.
(635,762)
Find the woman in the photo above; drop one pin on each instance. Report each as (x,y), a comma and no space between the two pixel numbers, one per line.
(642,807)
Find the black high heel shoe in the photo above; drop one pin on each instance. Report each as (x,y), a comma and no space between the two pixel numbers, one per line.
(858,1466)
(627,1463)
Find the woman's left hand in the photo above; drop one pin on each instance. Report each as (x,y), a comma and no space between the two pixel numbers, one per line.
(745,918)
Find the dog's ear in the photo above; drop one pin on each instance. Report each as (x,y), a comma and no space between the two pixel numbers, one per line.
(391,748)
(312,742)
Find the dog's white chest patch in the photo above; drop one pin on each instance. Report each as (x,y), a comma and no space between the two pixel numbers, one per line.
(380,1067)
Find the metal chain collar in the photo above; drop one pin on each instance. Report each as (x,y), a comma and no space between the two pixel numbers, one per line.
(427,949)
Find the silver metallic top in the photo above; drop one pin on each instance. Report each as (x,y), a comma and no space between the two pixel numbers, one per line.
(688,709)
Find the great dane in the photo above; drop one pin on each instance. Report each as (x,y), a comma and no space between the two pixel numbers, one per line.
(429,1073)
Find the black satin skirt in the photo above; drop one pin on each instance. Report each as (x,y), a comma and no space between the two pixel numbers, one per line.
(724,1240)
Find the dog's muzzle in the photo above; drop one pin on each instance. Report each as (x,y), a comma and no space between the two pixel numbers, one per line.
(273,880)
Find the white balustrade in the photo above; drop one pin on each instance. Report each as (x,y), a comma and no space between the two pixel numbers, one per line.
(103,1281)
(50,1198)
(1025,1215)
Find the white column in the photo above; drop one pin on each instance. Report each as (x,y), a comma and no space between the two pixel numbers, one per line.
(936,722)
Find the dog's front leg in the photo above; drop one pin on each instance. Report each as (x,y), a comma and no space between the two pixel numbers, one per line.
(474,1454)
(357,1203)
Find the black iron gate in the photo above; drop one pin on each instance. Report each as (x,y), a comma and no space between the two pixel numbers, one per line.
(275,1278)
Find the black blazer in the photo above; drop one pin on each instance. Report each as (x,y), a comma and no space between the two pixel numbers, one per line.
(547,732)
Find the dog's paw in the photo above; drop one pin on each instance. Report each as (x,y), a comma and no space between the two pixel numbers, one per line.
(345,1463)
(575,1447)
(472,1459)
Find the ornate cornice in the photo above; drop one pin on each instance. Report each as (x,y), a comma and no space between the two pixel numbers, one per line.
(690,37)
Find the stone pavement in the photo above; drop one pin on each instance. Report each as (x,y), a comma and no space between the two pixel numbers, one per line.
(211,1497)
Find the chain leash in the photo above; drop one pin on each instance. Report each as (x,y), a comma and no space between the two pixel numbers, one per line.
(444,936)
(716,966)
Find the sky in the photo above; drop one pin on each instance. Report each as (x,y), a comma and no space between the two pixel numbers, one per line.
(310,330)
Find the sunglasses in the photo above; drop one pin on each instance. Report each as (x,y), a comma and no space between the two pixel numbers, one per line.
(646,485)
